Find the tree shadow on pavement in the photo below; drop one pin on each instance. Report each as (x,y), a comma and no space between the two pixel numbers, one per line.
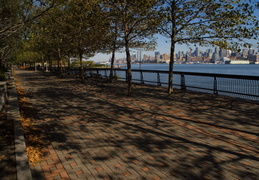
(7,153)
(100,132)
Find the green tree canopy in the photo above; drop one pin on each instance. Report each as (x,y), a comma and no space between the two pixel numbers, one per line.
(15,18)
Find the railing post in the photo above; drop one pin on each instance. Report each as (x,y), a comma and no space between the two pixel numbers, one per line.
(215,89)
(141,77)
(183,86)
(158,79)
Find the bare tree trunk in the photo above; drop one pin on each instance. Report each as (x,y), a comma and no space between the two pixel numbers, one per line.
(50,62)
(69,65)
(113,52)
(112,63)
(173,42)
(42,60)
(0,63)
(81,65)
(129,74)
(47,68)
(59,58)
(127,49)
(171,67)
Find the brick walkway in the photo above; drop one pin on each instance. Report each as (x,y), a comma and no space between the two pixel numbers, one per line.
(98,132)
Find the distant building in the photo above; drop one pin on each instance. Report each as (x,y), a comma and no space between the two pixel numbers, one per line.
(197,52)
(216,50)
(166,57)
(229,53)
(215,57)
(245,53)
(133,57)
(234,55)
(253,58)
(223,53)
(157,55)
(251,51)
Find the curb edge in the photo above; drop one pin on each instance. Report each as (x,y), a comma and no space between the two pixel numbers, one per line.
(13,113)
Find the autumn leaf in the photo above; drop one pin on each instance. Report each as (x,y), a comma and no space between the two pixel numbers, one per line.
(33,139)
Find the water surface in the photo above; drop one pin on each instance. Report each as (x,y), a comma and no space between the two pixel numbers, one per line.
(236,69)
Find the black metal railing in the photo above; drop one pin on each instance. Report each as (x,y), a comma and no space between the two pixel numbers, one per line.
(223,84)
(241,86)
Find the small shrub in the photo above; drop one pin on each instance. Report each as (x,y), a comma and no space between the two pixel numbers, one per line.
(4,69)
(2,75)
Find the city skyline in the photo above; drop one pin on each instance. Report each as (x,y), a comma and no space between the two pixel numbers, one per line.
(163,46)
(212,55)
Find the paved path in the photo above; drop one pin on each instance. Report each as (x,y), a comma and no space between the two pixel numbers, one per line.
(95,132)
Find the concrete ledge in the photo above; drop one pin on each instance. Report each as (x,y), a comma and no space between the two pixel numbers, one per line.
(22,163)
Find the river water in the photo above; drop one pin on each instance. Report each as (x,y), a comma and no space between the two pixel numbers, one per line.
(235,87)
(236,69)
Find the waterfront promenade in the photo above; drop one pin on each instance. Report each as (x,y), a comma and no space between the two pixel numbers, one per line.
(98,132)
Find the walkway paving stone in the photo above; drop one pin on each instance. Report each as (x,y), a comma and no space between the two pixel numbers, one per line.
(96,132)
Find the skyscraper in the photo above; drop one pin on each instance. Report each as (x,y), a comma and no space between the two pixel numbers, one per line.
(250,51)
(216,50)
(157,55)
(215,57)
(223,53)
(197,52)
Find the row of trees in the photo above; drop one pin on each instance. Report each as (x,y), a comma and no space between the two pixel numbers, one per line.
(15,17)
(49,30)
